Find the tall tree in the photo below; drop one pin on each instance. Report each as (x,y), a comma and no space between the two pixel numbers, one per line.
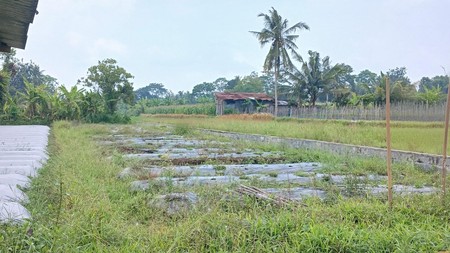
(401,88)
(316,75)
(203,91)
(9,62)
(32,73)
(184,97)
(340,91)
(18,72)
(398,75)
(440,82)
(250,83)
(281,38)
(268,83)
(221,84)
(365,82)
(153,90)
(232,83)
(111,82)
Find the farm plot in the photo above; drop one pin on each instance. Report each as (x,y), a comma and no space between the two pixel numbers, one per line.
(178,164)
(249,197)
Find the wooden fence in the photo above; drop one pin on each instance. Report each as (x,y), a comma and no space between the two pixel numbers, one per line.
(399,112)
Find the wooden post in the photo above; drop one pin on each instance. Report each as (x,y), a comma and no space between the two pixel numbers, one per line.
(444,158)
(388,141)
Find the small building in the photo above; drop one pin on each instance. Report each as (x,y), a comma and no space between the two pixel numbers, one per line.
(242,102)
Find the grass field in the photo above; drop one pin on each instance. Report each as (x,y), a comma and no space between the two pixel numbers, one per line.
(78,205)
(411,136)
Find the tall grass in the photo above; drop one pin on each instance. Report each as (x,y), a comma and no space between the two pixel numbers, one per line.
(410,136)
(78,205)
(205,109)
(255,116)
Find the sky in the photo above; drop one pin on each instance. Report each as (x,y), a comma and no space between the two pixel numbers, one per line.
(181,43)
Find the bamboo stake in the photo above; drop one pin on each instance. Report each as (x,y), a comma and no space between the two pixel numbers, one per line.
(444,158)
(259,194)
(388,141)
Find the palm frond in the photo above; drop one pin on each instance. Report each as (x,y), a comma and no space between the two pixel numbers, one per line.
(297,56)
(299,26)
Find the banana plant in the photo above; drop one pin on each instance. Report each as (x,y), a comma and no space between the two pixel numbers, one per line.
(11,108)
(71,101)
(35,101)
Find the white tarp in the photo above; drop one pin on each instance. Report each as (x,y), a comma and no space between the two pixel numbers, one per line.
(22,154)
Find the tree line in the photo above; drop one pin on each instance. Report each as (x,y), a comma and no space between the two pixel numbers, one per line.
(106,93)
(305,82)
(334,85)
(28,95)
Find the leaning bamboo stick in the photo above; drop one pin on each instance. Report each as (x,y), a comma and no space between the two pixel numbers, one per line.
(444,156)
(388,141)
(259,194)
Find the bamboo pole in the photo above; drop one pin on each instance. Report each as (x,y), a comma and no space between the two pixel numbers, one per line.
(444,156)
(388,141)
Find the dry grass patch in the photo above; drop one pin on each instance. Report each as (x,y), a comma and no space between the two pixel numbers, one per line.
(175,116)
(255,116)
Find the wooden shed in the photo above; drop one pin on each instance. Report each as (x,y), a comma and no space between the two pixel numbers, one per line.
(15,18)
(241,102)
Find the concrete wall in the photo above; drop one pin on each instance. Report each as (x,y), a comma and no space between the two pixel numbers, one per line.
(425,161)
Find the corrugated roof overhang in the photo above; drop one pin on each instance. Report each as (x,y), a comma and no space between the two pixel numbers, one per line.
(15,18)
(242,96)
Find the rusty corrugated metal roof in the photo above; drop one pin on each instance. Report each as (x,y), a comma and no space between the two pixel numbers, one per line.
(241,96)
(15,18)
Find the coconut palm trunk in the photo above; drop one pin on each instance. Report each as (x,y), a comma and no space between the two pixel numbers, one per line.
(275,113)
(281,39)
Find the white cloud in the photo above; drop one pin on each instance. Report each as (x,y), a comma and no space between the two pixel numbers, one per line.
(95,49)
(109,46)
(245,60)
(75,39)
(122,5)
(75,6)
(101,48)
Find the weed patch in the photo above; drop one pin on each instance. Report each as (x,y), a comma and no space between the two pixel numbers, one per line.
(78,205)
(182,129)
(410,136)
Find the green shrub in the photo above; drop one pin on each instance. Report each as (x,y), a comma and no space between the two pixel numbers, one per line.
(205,109)
(182,129)
(108,118)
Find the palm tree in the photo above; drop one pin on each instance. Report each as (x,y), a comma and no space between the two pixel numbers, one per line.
(281,39)
(317,75)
